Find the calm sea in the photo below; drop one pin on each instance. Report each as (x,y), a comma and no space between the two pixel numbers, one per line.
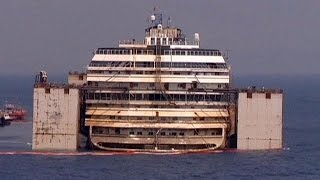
(300,158)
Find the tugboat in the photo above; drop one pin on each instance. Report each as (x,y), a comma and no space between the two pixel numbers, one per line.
(14,112)
(5,119)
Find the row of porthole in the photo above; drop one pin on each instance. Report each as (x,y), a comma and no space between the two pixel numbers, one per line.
(161,133)
(170,134)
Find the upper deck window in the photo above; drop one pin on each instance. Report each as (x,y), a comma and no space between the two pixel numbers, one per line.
(164,41)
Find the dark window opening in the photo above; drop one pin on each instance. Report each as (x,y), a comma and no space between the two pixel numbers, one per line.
(194,84)
(181,134)
(47,90)
(268,95)
(150,133)
(139,133)
(249,94)
(117,130)
(173,134)
(163,133)
(196,132)
(66,91)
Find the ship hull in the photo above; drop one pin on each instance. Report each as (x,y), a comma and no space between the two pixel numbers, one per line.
(157,143)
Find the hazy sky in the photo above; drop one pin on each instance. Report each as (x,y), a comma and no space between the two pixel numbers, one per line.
(264,36)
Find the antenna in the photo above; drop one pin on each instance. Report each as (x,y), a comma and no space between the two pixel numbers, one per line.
(169,21)
(226,55)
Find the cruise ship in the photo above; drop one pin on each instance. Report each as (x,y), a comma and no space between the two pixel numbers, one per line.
(162,94)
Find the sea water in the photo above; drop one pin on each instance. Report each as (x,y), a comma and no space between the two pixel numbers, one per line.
(299,159)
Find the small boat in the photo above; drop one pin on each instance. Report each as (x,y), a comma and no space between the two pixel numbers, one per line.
(5,119)
(14,112)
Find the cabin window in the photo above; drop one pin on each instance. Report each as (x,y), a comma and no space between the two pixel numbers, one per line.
(117,130)
(194,84)
(47,90)
(164,41)
(152,41)
(249,94)
(196,132)
(131,133)
(163,133)
(139,133)
(150,133)
(219,131)
(181,134)
(173,134)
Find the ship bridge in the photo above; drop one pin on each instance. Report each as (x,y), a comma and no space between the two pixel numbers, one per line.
(156,34)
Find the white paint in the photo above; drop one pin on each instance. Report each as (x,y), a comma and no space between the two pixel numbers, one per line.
(56,119)
(151,78)
(259,121)
(164,58)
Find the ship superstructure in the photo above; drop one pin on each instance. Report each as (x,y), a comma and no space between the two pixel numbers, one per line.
(163,94)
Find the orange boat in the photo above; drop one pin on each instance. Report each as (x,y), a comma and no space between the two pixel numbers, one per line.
(15,112)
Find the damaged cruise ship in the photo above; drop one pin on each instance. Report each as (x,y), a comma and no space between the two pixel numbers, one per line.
(163,94)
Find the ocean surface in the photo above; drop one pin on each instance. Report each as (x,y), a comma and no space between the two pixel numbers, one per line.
(300,158)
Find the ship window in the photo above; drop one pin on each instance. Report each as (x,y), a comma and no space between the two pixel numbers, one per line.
(117,130)
(164,41)
(103,96)
(249,94)
(47,90)
(173,134)
(170,41)
(181,134)
(152,41)
(182,85)
(163,133)
(131,132)
(219,131)
(150,133)
(196,132)
(97,96)
(139,133)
